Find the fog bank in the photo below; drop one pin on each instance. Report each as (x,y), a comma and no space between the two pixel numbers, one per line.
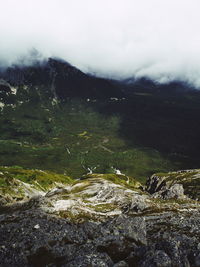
(112,38)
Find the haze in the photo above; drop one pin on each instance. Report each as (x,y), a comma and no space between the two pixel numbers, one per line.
(112,38)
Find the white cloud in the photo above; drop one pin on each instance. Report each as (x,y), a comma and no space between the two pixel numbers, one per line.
(120,38)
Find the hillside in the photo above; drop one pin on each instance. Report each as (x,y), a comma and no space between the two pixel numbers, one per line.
(55,117)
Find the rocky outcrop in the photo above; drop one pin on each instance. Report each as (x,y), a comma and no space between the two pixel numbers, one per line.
(37,239)
(98,220)
(94,196)
(178,185)
(31,237)
(7,94)
(20,185)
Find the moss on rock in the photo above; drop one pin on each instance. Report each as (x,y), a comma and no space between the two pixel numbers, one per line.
(43,179)
(119,179)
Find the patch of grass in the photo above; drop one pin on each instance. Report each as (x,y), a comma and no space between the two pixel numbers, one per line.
(78,217)
(103,207)
(45,179)
(123,180)
(79,187)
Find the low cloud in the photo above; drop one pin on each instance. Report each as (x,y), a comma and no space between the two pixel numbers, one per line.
(112,38)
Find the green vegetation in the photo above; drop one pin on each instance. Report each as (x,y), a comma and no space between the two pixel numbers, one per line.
(71,139)
(146,133)
(44,179)
(103,207)
(123,180)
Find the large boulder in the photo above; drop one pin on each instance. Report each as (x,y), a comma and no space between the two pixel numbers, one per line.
(177,185)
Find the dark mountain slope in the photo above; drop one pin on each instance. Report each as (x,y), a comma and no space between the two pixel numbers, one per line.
(62,79)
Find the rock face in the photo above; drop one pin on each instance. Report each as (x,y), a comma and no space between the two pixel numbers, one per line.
(180,184)
(98,220)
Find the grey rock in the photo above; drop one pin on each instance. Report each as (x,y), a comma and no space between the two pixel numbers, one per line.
(176,191)
(197,260)
(156,258)
(177,184)
(121,264)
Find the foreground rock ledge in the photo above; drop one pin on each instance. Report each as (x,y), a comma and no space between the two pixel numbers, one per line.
(99,220)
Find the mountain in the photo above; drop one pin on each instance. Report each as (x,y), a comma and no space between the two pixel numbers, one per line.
(55,117)
(61,80)
(90,170)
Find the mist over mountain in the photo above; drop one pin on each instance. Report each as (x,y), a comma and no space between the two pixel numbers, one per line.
(115,39)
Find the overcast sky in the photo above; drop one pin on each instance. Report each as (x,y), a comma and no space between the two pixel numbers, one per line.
(154,38)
